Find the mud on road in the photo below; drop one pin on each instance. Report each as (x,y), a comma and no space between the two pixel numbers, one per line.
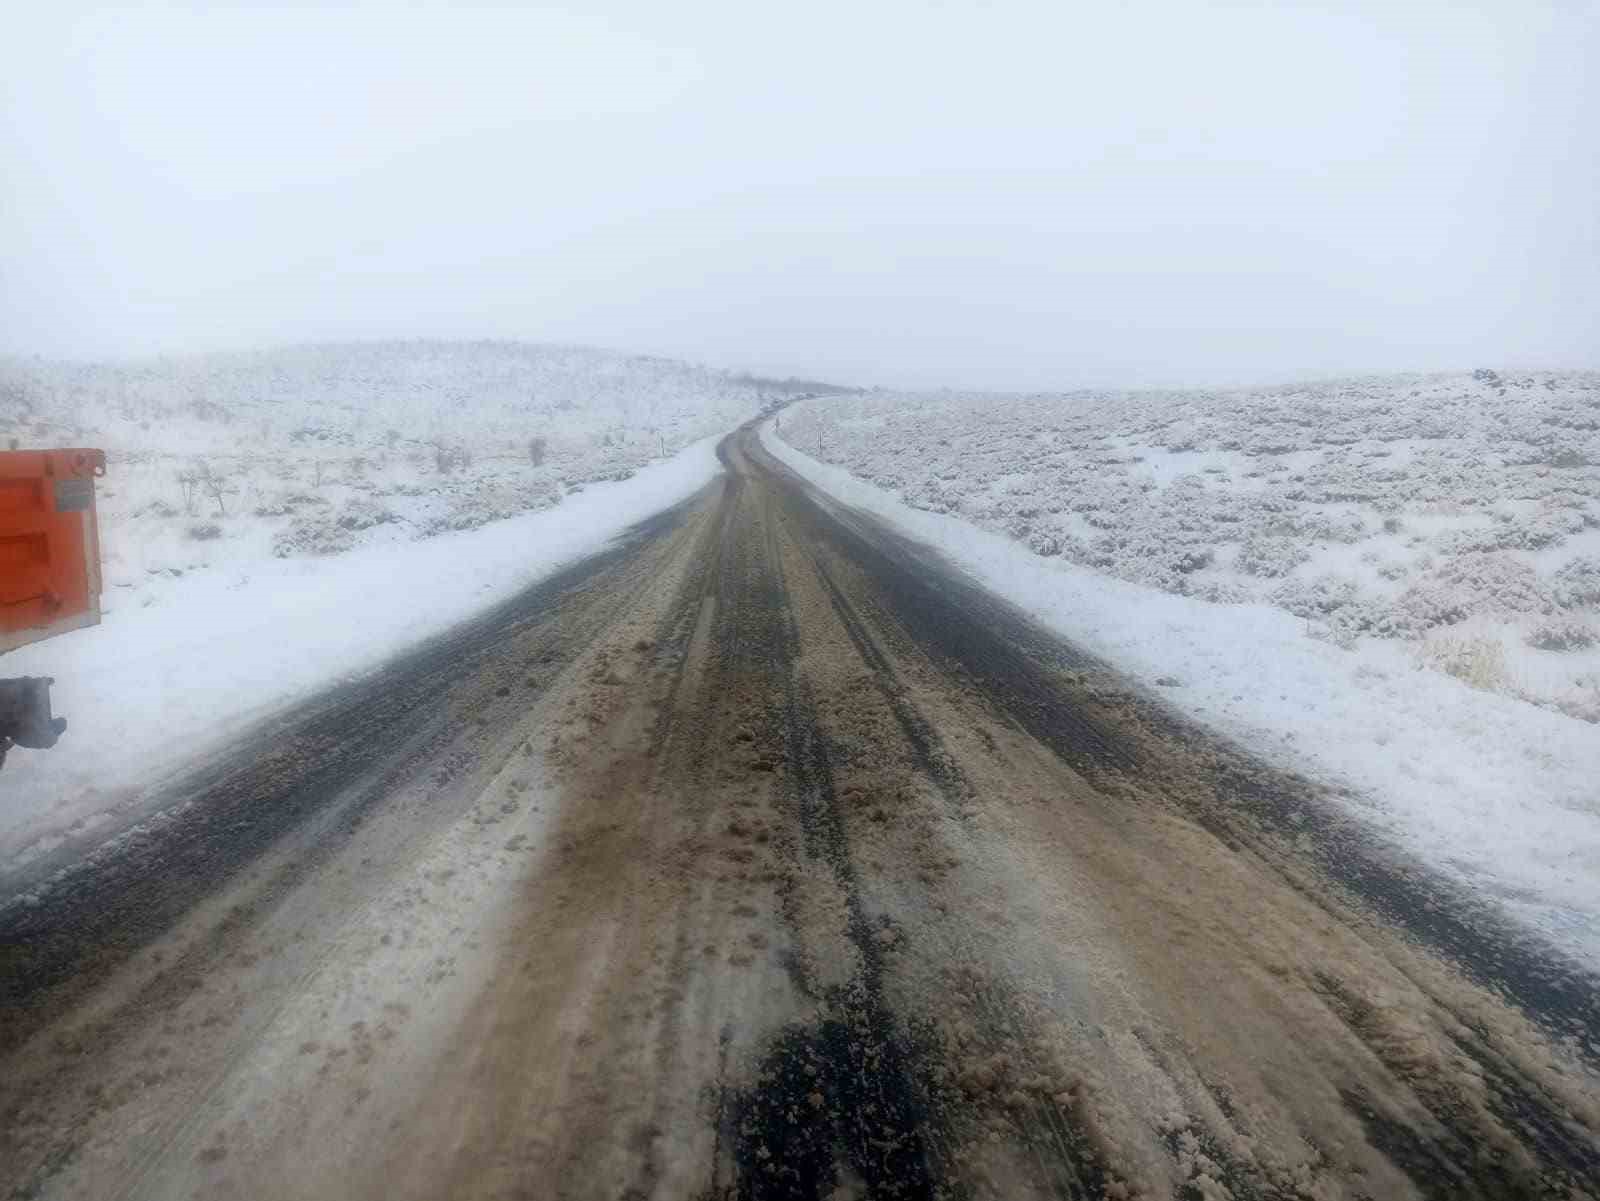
(805,869)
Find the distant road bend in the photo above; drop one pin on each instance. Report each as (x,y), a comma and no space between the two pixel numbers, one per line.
(764,856)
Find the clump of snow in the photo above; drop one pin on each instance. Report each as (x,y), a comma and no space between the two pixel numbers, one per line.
(1388,508)
(1428,739)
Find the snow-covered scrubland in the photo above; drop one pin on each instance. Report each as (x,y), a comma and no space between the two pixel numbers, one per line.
(1457,516)
(1390,584)
(221,460)
(273,522)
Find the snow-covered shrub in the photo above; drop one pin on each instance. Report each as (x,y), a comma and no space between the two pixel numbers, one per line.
(1378,618)
(1319,527)
(1549,527)
(1316,598)
(1218,592)
(1563,633)
(1270,556)
(1561,517)
(1568,456)
(933,495)
(1475,584)
(1155,553)
(281,504)
(604,475)
(493,502)
(362,513)
(1334,633)
(1476,541)
(204,531)
(1578,583)
(1585,706)
(1190,559)
(450,456)
(1475,659)
(315,534)
(1583,699)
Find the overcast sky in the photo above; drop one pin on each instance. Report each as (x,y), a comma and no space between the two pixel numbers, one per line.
(973,194)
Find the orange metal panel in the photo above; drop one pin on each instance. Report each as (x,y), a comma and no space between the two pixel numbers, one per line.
(49,543)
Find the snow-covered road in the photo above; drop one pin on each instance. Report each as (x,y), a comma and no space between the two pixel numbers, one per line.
(763,855)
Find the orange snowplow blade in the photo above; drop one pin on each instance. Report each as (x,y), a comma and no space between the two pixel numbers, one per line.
(49,543)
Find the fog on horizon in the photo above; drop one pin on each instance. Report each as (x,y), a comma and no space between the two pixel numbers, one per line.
(1006,195)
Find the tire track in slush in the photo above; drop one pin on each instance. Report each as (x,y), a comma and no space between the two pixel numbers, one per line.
(854,1062)
(863,1074)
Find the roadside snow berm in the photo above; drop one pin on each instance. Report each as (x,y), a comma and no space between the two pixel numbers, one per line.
(49,573)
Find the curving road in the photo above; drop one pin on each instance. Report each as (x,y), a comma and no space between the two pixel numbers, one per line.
(764,856)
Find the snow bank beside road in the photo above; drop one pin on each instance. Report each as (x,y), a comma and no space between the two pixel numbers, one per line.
(153,685)
(1498,794)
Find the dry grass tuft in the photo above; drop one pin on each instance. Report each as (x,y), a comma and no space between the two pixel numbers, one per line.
(1477,660)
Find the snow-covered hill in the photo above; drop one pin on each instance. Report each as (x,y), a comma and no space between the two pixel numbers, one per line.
(217,461)
(1455,515)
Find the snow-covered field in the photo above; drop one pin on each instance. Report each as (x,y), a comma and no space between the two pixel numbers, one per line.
(365,497)
(220,462)
(1457,517)
(1465,514)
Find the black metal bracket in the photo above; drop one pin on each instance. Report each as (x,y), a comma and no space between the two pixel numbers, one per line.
(25,718)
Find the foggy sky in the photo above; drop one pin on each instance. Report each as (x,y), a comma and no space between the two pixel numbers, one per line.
(1009,195)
